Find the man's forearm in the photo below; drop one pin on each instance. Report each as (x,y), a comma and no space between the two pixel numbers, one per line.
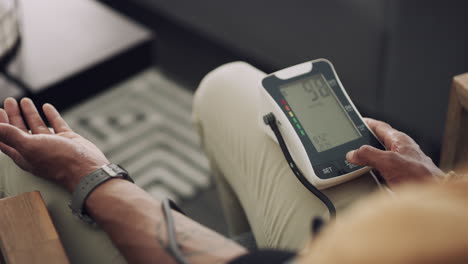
(135,223)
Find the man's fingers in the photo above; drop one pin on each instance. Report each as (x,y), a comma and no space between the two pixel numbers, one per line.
(382,130)
(13,136)
(391,137)
(368,156)
(34,120)
(14,113)
(55,119)
(3,116)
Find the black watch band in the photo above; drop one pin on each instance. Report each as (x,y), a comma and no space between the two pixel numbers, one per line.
(89,183)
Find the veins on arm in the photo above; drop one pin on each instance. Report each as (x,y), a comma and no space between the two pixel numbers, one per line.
(141,236)
(197,242)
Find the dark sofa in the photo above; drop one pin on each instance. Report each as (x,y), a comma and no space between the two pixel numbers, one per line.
(395,57)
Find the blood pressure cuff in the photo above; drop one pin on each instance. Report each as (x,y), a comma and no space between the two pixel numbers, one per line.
(272,256)
(269,256)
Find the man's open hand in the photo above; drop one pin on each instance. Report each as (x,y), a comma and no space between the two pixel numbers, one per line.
(403,161)
(61,156)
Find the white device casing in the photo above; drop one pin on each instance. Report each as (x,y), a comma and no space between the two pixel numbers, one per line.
(293,142)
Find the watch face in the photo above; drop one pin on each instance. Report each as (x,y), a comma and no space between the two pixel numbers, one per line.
(109,170)
(121,172)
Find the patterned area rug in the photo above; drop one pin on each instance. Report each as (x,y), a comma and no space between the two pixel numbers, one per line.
(144,124)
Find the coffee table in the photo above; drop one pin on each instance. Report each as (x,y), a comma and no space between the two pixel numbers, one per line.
(73,49)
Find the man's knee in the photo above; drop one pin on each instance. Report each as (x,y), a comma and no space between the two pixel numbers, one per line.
(214,88)
(222,75)
(217,82)
(224,85)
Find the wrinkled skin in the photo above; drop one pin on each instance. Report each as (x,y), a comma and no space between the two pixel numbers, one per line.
(60,155)
(402,162)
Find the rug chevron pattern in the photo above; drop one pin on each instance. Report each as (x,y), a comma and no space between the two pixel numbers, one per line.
(144,124)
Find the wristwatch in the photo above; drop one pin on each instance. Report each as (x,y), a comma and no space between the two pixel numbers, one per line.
(89,183)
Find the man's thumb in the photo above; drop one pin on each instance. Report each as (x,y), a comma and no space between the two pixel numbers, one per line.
(366,156)
(12,136)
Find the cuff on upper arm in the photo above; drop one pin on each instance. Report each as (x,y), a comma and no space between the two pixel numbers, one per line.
(269,256)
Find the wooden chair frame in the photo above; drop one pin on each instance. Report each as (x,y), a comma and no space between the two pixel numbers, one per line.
(27,234)
(454,153)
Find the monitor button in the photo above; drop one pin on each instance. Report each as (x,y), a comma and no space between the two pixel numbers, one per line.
(349,167)
(326,170)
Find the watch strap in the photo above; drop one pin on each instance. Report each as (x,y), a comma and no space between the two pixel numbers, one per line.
(88,183)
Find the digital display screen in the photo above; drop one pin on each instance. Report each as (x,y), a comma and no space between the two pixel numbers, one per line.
(320,113)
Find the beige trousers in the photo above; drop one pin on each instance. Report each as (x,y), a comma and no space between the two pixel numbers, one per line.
(257,189)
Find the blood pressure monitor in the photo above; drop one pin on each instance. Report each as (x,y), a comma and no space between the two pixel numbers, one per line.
(318,121)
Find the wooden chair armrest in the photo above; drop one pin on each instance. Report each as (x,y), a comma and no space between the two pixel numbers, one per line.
(454,153)
(460,84)
(27,234)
